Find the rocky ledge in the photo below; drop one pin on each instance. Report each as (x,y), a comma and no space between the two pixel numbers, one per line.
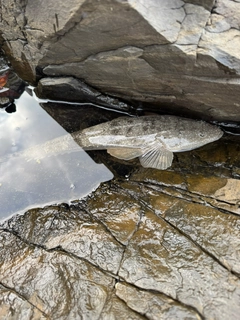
(170,56)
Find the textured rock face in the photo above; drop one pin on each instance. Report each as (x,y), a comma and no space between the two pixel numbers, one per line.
(148,244)
(180,56)
(152,245)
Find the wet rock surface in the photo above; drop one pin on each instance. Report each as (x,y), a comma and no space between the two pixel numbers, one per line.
(148,244)
(77,91)
(171,56)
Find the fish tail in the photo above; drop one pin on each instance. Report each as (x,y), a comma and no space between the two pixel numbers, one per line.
(81,139)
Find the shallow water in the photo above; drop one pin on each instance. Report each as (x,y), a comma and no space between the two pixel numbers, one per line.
(54,179)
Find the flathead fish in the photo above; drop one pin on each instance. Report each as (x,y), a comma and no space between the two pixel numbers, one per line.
(153,139)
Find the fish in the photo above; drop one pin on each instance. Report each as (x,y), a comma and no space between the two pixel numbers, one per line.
(153,139)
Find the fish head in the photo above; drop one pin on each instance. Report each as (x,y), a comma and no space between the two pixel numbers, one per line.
(202,133)
(209,132)
(193,134)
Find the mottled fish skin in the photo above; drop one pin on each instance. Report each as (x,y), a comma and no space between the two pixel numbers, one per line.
(151,138)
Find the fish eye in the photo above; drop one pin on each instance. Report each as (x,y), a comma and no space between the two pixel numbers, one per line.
(201,134)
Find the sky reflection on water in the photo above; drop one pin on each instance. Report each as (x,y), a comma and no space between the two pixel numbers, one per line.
(26,184)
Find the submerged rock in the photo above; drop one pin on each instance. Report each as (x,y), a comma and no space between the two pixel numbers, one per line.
(153,244)
(153,305)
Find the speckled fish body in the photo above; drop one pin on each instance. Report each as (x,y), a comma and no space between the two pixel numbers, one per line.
(151,138)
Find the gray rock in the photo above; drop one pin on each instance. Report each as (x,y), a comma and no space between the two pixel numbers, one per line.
(73,90)
(178,56)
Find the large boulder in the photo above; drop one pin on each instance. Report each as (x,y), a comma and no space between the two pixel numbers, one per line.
(173,56)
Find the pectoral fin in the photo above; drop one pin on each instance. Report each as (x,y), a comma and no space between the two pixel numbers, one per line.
(125,153)
(157,156)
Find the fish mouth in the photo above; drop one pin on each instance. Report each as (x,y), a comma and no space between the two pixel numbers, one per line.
(215,137)
(220,133)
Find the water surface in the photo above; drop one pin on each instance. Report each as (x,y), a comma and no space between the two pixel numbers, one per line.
(26,184)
